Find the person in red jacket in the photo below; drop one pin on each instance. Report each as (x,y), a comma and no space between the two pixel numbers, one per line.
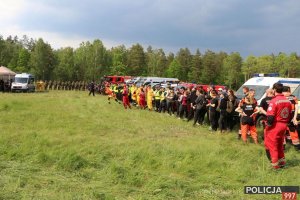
(125,97)
(142,96)
(278,115)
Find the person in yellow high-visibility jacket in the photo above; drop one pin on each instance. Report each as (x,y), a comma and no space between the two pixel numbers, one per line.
(163,100)
(150,95)
(133,90)
(138,91)
(157,94)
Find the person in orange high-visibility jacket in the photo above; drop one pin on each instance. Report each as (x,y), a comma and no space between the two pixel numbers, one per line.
(109,93)
(150,95)
(125,97)
(278,115)
(248,110)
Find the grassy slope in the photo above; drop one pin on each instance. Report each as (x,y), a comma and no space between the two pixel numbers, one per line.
(66,145)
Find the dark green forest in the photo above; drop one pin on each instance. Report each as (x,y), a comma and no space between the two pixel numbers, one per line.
(92,60)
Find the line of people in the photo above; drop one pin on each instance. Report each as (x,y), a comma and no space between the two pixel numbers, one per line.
(189,104)
(223,111)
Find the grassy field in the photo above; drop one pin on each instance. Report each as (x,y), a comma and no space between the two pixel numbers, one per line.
(67,145)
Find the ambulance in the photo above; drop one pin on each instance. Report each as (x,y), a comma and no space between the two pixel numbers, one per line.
(296,93)
(261,82)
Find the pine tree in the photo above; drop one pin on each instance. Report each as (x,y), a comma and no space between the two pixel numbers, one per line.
(196,67)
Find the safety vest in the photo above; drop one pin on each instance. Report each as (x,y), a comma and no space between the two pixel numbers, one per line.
(115,89)
(133,89)
(156,95)
(163,96)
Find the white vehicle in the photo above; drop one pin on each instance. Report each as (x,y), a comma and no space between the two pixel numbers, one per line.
(161,80)
(261,84)
(296,93)
(24,83)
(133,80)
(140,81)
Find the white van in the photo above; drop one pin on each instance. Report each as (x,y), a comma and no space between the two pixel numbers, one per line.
(160,80)
(261,84)
(24,83)
(296,93)
(134,80)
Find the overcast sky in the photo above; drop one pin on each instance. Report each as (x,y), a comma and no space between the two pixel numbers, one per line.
(251,27)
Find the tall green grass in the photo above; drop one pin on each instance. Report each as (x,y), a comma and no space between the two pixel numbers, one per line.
(68,145)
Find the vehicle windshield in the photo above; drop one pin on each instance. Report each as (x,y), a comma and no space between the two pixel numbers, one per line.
(21,80)
(140,81)
(296,93)
(259,91)
(108,79)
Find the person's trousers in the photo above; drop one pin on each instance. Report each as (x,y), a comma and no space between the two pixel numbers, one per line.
(274,137)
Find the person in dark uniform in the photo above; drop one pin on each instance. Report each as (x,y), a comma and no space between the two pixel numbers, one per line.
(192,97)
(92,88)
(264,104)
(212,111)
(232,116)
(46,85)
(50,85)
(223,113)
(200,107)
(2,85)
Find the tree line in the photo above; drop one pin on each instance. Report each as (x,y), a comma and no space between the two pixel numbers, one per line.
(92,60)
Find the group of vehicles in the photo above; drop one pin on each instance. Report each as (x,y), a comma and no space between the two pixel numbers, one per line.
(141,80)
(153,81)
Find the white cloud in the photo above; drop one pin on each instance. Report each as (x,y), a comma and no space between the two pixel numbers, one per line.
(56,40)
(9,10)
(234,25)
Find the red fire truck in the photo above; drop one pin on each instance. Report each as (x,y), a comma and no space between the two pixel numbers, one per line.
(117,79)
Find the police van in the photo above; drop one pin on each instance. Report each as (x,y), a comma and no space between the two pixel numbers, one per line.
(23,83)
(260,83)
